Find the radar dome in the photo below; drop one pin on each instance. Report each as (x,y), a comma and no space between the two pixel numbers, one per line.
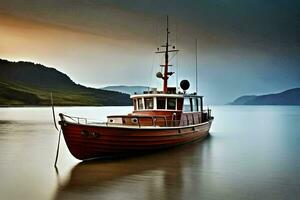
(184,84)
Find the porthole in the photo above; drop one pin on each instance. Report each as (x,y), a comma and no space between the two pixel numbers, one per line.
(95,135)
(134,120)
(84,133)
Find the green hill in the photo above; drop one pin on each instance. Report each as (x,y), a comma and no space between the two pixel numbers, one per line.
(26,83)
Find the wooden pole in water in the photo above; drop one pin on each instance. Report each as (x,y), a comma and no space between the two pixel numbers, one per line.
(53,113)
(54,120)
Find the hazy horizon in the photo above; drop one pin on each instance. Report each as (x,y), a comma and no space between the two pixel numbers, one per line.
(248,47)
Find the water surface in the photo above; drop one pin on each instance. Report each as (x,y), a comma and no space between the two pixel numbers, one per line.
(252,153)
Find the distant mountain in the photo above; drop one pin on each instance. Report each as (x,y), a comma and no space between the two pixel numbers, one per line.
(26,83)
(288,97)
(126,89)
(243,99)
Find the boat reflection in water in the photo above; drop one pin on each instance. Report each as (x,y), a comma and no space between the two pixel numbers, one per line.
(164,175)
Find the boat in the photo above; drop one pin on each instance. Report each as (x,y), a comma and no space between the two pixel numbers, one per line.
(159,120)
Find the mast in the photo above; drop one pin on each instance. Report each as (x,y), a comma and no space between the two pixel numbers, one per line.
(165,76)
(165,87)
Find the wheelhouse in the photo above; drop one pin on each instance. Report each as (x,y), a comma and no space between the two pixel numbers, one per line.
(167,102)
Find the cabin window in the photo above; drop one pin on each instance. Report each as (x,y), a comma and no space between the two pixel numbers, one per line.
(186,105)
(171,103)
(161,103)
(149,103)
(195,104)
(140,103)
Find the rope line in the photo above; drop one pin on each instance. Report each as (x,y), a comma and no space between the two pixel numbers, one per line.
(57,150)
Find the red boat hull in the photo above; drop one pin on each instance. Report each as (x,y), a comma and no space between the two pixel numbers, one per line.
(92,141)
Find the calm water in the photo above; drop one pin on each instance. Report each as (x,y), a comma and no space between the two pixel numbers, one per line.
(253,153)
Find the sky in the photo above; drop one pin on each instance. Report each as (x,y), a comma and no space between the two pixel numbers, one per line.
(244,47)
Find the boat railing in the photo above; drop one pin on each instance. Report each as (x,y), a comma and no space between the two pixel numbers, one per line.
(77,120)
(136,120)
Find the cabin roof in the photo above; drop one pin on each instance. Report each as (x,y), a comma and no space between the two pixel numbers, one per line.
(157,95)
(165,95)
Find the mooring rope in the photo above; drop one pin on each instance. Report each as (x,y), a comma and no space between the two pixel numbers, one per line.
(57,150)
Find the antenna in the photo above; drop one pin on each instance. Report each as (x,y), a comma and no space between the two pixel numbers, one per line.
(196,66)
